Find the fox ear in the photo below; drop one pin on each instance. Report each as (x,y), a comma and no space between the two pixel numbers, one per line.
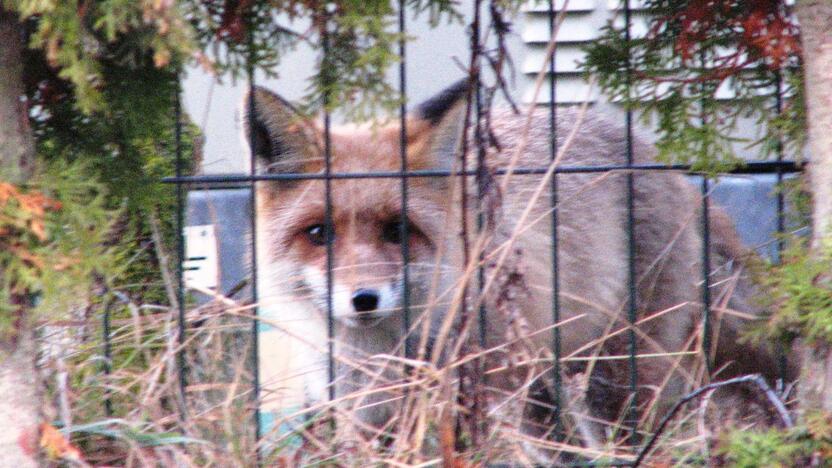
(445,116)
(280,135)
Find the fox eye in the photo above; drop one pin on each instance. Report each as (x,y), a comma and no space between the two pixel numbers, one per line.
(318,234)
(392,232)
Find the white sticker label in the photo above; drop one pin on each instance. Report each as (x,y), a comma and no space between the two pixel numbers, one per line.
(201,265)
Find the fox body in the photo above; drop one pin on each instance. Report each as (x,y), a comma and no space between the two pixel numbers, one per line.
(367,272)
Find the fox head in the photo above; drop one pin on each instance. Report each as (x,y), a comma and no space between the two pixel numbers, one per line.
(367,225)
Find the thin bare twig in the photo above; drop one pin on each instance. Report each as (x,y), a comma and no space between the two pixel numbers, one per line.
(162,256)
(753,378)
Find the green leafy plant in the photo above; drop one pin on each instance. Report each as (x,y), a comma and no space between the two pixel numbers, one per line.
(799,290)
(52,242)
(807,445)
(76,38)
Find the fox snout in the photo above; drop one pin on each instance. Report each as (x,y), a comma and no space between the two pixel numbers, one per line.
(365,304)
(358,300)
(365,300)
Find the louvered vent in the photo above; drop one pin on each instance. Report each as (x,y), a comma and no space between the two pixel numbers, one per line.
(582,24)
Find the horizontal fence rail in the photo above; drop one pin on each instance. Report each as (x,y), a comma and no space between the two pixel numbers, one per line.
(749,168)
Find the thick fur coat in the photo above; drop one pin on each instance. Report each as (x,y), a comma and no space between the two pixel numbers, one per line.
(593,260)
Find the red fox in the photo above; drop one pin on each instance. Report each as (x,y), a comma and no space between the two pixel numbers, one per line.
(367,286)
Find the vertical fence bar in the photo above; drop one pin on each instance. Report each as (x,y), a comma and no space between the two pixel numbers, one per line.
(326,81)
(782,360)
(553,149)
(405,231)
(706,245)
(255,311)
(781,220)
(108,357)
(706,272)
(631,244)
(180,248)
(482,175)
(480,178)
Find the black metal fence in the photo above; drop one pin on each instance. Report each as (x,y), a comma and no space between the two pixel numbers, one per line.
(183,182)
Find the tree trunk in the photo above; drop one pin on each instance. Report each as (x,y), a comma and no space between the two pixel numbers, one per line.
(815,18)
(19,389)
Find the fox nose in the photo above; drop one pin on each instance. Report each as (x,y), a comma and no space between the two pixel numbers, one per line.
(365,300)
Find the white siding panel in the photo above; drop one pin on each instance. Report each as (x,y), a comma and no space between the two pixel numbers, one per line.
(639,25)
(727,92)
(619,4)
(542,6)
(568,90)
(573,29)
(647,92)
(566,59)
